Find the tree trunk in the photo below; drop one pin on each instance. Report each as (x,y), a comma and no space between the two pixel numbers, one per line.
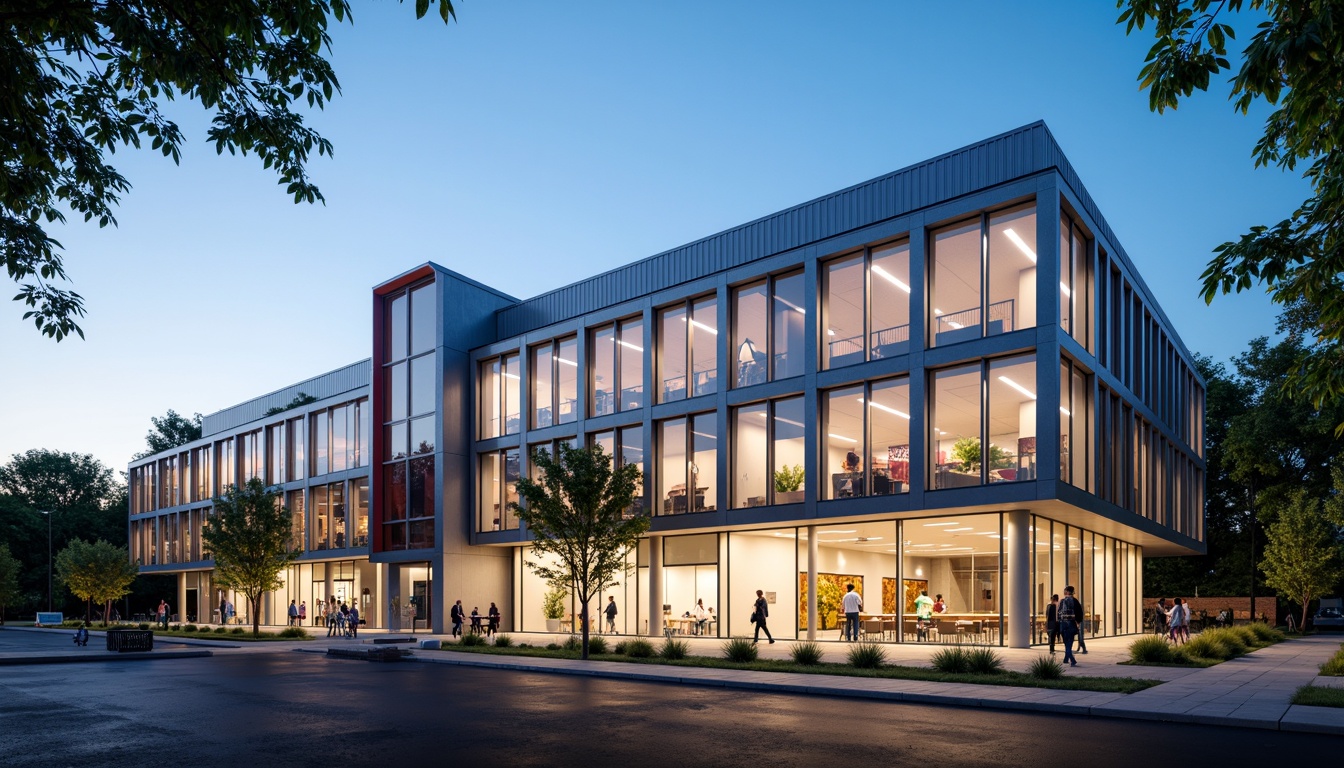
(255,602)
(1306,603)
(107,611)
(583,620)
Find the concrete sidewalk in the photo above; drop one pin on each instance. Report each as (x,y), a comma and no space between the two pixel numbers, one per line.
(1253,691)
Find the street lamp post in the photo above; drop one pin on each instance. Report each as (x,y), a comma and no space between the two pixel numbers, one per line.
(49,515)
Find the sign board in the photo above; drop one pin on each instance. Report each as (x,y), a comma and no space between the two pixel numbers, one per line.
(50,619)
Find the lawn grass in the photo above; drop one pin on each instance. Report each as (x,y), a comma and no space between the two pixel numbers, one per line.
(1313,696)
(1019,679)
(210,634)
(1334,666)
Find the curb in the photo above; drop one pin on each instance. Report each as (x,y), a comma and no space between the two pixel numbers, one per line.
(12,661)
(1296,719)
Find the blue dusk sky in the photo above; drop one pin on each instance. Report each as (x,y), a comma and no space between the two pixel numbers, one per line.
(531,144)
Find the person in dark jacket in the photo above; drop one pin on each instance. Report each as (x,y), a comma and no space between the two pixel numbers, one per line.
(1070,614)
(457,614)
(1052,621)
(759,615)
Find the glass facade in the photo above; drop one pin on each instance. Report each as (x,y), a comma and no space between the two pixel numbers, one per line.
(411,389)
(866,306)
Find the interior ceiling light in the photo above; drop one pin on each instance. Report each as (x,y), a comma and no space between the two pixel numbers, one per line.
(1064,289)
(1018,387)
(852,530)
(1021,244)
(841,437)
(890,278)
(967,528)
(513,376)
(887,408)
(702,326)
(1064,411)
(933,525)
(937,311)
(569,362)
(791,305)
(627,344)
(830,332)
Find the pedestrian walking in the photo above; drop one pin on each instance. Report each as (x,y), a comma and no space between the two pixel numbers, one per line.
(852,603)
(354,621)
(758,617)
(293,613)
(492,626)
(611,611)
(303,612)
(1052,621)
(456,614)
(1160,616)
(1069,614)
(163,614)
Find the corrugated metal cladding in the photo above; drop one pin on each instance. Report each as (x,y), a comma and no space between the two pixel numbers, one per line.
(1001,159)
(345,379)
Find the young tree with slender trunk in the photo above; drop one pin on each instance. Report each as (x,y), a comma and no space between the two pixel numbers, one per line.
(99,572)
(9,580)
(1302,556)
(580,515)
(250,535)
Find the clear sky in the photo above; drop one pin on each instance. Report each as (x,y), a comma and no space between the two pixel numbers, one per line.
(532,144)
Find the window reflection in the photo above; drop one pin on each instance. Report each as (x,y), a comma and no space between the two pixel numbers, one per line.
(1012,271)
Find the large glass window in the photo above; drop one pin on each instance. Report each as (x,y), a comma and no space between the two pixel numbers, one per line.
(498,489)
(956,284)
(749,452)
(297,442)
(499,397)
(630,450)
(411,392)
(956,559)
(867,297)
(769,453)
(226,470)
(688,463)
(885,423)
(789,327)
(1075,292)
(1012,271)
(555,382)
(789,448)
(957,430)
(1075,405)
(276,454)
(617,355)
(750,335)
(688,349)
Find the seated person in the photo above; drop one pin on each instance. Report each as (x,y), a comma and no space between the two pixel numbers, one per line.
(82,635)
(852,461)
(475,619)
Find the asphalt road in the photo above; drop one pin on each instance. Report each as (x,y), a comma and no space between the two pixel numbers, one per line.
(299,709)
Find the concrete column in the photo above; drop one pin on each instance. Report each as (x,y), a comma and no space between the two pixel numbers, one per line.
(655,586)
(1017,595)
(330,587)
(812,558)
(180,607)
(393,599)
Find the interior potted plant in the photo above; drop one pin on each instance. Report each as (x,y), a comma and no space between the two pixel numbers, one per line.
(966,452)
(553,608)
(789,484)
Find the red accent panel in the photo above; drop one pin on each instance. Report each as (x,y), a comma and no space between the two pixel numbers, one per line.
(379,414)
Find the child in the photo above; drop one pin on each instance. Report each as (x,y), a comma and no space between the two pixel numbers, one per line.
(82,635)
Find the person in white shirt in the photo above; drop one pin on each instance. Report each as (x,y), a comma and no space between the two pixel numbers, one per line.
(700,615)
(852,603)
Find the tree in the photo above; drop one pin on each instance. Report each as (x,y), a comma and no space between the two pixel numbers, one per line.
(9,580)
(170,431)
(250,535)
(98,572)
(299,400)
(1302,556)
(56,480)
(1295,63)
(85,77)
(579,514)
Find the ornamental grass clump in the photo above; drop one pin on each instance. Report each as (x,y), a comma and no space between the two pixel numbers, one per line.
(295,633)
(1204,646)
(189,627)
(639,649)
(1046,668)
(596,644)
(807,654)
(1334,666)
(953,660)
(621,647)
(1150,649)
(503,641)
(867,656)
(218,630)
(1231,640)
(983,661)
(1265,633)
(674,649)
(573,643)
(470,639)
(740,650)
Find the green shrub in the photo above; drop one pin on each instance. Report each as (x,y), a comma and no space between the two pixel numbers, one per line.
(1246,634)
(297,633)
(1265,633)
(597,644)
(621,647)
(1230,639)
(1204,646)
(807,654)
(739,650)
(573,643)
(1334,666)
(1046,668)
(176,627)
(674,649)
(503,641)
(867,655)
(1150,649)
(552,646)
(639,649)
(221,630)
(237,630)
(472,639)
(189,628)
(142,625)
(953,660)
(984,661)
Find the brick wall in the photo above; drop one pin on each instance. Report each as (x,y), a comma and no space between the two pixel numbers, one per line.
(1241,606)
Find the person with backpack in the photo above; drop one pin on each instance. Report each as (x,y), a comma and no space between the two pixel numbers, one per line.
(82,635)
(293,613)
(354,621)
(1052,621)
(611,611)
(1069,614)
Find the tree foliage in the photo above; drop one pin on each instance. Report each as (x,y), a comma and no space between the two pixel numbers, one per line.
(96,573)
(1302,557)
(1294,62)
(250,536)
(170,431)
(86,77)
(56,480)
(9,580)
(299,400)
(579,514)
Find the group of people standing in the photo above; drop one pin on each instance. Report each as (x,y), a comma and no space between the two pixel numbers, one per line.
(342,620)
(298,614)
(458,615)
(1064,621)
(1172,621)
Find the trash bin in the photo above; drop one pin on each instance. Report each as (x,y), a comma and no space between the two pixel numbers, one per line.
(123,640)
